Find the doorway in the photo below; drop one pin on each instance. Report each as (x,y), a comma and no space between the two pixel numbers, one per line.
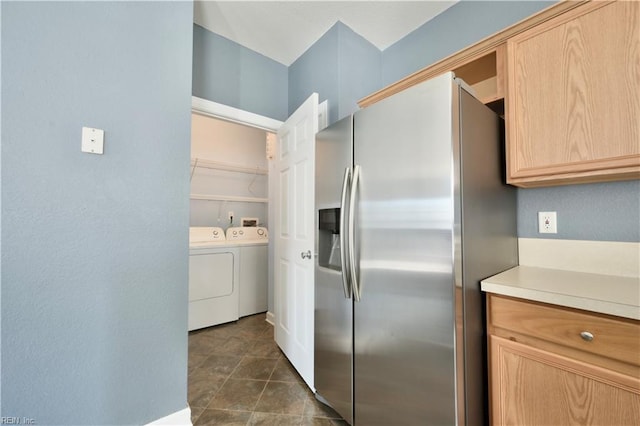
(230,170)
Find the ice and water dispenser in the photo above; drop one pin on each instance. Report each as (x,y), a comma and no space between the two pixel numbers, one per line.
(329,238)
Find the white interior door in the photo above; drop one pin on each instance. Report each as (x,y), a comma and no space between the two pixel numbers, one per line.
(294,222)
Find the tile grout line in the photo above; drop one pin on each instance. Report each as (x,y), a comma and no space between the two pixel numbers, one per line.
(265,387)
(221,386)
(209,354)
(252,339)
(261,393)
(244,356)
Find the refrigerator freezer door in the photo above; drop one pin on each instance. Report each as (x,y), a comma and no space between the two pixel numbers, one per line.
(333,311)
(403,324)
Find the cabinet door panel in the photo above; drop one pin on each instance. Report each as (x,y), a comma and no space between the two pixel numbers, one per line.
(573,99)
(535,387)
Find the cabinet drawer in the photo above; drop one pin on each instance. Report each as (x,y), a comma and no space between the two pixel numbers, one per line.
(614,338)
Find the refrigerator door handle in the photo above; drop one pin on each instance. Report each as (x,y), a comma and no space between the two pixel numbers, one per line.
(352,237)
(343,235)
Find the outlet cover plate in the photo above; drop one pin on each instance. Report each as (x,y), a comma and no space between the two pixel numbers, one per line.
(92,140)
(547,223)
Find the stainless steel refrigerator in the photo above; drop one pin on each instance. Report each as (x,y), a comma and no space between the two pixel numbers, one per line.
(411,213)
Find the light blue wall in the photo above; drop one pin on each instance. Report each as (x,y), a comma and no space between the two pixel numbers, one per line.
(230,74)
(460,26)
(0,213)
(599,212)
(94,247)
(317,70)
(342,67)
(360,67)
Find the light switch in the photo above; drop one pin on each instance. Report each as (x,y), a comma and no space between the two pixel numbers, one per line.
(92,140)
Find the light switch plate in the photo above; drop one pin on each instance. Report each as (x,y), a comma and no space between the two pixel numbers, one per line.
(92,140)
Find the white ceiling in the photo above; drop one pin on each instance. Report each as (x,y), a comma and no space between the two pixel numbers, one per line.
(284,30)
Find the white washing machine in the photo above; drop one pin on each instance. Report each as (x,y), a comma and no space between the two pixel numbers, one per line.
(252,243)
(214,273)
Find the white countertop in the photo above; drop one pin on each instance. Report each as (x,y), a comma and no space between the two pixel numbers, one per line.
(607,294)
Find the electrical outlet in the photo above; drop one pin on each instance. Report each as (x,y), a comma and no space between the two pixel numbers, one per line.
(230,216)
(547,223)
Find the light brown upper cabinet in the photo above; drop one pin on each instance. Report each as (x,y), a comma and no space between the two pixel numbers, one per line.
(573,97)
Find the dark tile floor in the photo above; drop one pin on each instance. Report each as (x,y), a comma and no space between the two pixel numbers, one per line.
(239,376)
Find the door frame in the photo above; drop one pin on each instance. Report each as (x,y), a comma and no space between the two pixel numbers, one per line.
(224,112)
(245,118)
(239,116)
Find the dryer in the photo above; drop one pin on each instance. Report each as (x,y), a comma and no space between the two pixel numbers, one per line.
(213,278)
(252,242)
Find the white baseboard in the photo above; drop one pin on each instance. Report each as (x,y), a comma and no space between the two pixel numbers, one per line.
(179,418)
(271,319)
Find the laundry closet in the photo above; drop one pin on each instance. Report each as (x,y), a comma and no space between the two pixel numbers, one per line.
(228,238)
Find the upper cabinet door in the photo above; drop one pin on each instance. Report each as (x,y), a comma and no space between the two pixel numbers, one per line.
(573,98)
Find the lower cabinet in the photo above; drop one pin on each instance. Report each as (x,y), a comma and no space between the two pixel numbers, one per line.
(545,371)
